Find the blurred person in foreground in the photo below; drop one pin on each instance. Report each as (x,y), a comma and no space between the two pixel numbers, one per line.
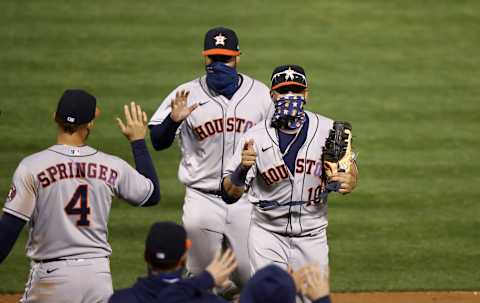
(166,255)
(273,284)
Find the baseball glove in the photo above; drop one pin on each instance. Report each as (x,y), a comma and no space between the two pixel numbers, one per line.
(337,153)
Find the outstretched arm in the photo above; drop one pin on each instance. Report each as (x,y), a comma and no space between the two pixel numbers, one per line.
(135,130)
(163,135)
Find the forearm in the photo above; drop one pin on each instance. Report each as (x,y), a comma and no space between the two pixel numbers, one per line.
(144,165)
(163,135)
(233,186)
(230,192)
(10,228)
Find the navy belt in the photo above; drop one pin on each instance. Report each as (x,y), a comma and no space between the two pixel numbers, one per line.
(60,259)
(269,205)
(49,260)
(209,192)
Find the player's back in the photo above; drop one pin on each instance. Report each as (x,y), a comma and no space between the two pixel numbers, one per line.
(66,193)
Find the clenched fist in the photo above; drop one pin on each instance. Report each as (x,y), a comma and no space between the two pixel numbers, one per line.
(248,155)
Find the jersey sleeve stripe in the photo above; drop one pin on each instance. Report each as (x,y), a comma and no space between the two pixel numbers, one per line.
(16,214)
(155,121)
(150,192)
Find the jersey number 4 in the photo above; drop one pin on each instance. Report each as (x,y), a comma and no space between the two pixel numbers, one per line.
(81,209)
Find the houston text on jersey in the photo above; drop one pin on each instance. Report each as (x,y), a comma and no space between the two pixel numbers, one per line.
(280,172)
(216,126)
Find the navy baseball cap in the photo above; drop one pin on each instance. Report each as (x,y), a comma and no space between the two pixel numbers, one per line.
(269,284)
(76,107)
(166,242)
(289,75)
(221,41)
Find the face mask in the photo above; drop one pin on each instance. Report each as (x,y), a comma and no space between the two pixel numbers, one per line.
(289,113)
(222,79)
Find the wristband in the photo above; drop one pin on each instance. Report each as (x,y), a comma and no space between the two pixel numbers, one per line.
(239,176)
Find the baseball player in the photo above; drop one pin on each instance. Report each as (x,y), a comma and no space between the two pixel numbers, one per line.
(280,160)
(211,113)
(65,193)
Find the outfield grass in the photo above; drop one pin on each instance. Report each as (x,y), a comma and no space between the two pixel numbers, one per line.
(405,73)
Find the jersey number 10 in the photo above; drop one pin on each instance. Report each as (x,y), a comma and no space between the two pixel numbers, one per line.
(81,194)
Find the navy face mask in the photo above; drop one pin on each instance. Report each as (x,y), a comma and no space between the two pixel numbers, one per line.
(289,113)
(222,79)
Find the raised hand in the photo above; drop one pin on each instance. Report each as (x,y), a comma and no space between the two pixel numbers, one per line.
(248,155)
(180,110)
(312,282)
(222,266)
(136,122)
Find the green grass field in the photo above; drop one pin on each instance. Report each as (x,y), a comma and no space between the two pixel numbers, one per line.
(405,73)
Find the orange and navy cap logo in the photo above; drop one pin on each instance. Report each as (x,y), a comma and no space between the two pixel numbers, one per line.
(220,39)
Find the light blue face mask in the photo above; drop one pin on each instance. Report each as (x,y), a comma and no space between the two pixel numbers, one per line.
(222,79)
(289,113)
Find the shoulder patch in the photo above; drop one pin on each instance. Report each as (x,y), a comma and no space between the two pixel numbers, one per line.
(11,193)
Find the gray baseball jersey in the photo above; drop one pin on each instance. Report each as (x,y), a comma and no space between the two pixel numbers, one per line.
(65,193)
(271,180)
(211,133)
(208,138)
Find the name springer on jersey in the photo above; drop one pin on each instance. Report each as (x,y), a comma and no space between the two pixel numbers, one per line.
(72,170)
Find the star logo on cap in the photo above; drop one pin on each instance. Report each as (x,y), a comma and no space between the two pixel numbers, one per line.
(220,39)
(289,73)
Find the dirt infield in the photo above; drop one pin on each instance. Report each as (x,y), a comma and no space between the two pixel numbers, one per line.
(407,297)
(372,297)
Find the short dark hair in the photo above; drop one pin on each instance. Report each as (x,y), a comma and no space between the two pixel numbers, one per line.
(68,127)
(220,58)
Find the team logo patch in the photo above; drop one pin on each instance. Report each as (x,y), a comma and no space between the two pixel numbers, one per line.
(12,193)
(220,39)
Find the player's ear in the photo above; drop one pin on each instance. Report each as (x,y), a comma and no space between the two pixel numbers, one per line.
(54,115)
(183,261)
(273,94)
(305,93)
(237,60)
(207,60)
